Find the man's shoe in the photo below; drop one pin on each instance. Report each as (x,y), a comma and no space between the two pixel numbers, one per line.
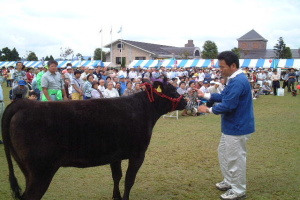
(223,186)
(232,195)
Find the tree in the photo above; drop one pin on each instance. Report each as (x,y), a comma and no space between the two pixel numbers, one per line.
(210,50)
(66,52)
(15,54)
(79,56)
(97,54)
(237,51)
(281,50)
(287,53)
(6,54)
(51,57)
(31,56)
(47,58)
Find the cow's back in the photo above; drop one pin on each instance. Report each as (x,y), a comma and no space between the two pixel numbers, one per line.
(81,133)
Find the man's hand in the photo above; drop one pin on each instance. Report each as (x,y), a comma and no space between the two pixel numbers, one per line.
(202,109)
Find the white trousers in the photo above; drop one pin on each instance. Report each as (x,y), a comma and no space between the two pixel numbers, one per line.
(232,157)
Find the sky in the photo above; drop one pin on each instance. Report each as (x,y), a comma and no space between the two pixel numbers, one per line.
(44,27)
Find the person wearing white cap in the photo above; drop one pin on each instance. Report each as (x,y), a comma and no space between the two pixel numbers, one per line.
(69,74)
(91,72)
(214,87)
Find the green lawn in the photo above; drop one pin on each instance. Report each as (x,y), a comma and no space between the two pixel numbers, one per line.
(181,161)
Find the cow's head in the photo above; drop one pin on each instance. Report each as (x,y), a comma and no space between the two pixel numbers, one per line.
(166,96)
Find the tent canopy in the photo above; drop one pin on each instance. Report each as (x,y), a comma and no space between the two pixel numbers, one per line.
(75,63)
(205,63)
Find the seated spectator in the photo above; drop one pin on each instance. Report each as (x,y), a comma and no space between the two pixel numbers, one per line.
(204,87)
(110,91)
(256,91)
(192,99)
(182,88)
(96,93)
(214,87)
(19,91)
(266,88)
(137,88)
(128,91)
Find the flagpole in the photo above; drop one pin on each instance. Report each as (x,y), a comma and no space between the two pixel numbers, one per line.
(101,44)
(111,45)
(121,48)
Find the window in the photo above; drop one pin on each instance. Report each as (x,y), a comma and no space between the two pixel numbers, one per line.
(197,53)
(140,58)
(118,60)
(255,45)
(120,46)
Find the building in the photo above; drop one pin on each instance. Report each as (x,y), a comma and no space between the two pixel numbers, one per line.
(254,46)
(133,50)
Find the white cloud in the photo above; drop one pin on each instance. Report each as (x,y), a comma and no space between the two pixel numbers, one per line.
(33,25)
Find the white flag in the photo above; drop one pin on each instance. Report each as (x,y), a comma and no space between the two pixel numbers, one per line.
(120,30)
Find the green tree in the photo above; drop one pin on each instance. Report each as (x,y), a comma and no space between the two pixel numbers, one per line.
(123,64)
(210,50)
(31,56)
(97,54)
(15,54)
(47,58)
(79,56)
(237,51)
(287,53)
(6,54)
(281,50)
(51,57)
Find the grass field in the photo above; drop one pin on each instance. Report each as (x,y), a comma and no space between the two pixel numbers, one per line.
(181,161)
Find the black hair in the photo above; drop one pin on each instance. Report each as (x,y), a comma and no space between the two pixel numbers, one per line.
(182,82)
(52,62)
(69,64)
(77,72)
(229,57)
(88,76)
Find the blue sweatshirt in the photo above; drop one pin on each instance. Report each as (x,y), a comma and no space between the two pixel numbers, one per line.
(236,106)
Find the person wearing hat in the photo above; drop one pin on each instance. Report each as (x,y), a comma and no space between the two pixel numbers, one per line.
(19,91)
(52,84)
(123,84)
(204,87)
(69,74)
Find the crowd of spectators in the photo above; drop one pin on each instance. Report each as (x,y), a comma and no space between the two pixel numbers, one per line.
(103,82)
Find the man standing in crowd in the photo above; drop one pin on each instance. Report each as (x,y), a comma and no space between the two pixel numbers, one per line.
(236,108)
(18,74)
(52,84)
(291,80)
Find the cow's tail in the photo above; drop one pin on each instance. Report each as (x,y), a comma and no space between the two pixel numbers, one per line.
(14,185)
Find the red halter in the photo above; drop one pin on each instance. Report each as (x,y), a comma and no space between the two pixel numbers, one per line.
(175,101)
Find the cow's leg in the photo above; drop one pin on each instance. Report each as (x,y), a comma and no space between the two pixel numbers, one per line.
(133,167)
(116,171)
(37,182)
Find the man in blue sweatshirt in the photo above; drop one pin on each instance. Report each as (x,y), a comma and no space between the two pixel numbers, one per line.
(237,124)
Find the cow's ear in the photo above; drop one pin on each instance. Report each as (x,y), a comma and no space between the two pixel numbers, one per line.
(159,86)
